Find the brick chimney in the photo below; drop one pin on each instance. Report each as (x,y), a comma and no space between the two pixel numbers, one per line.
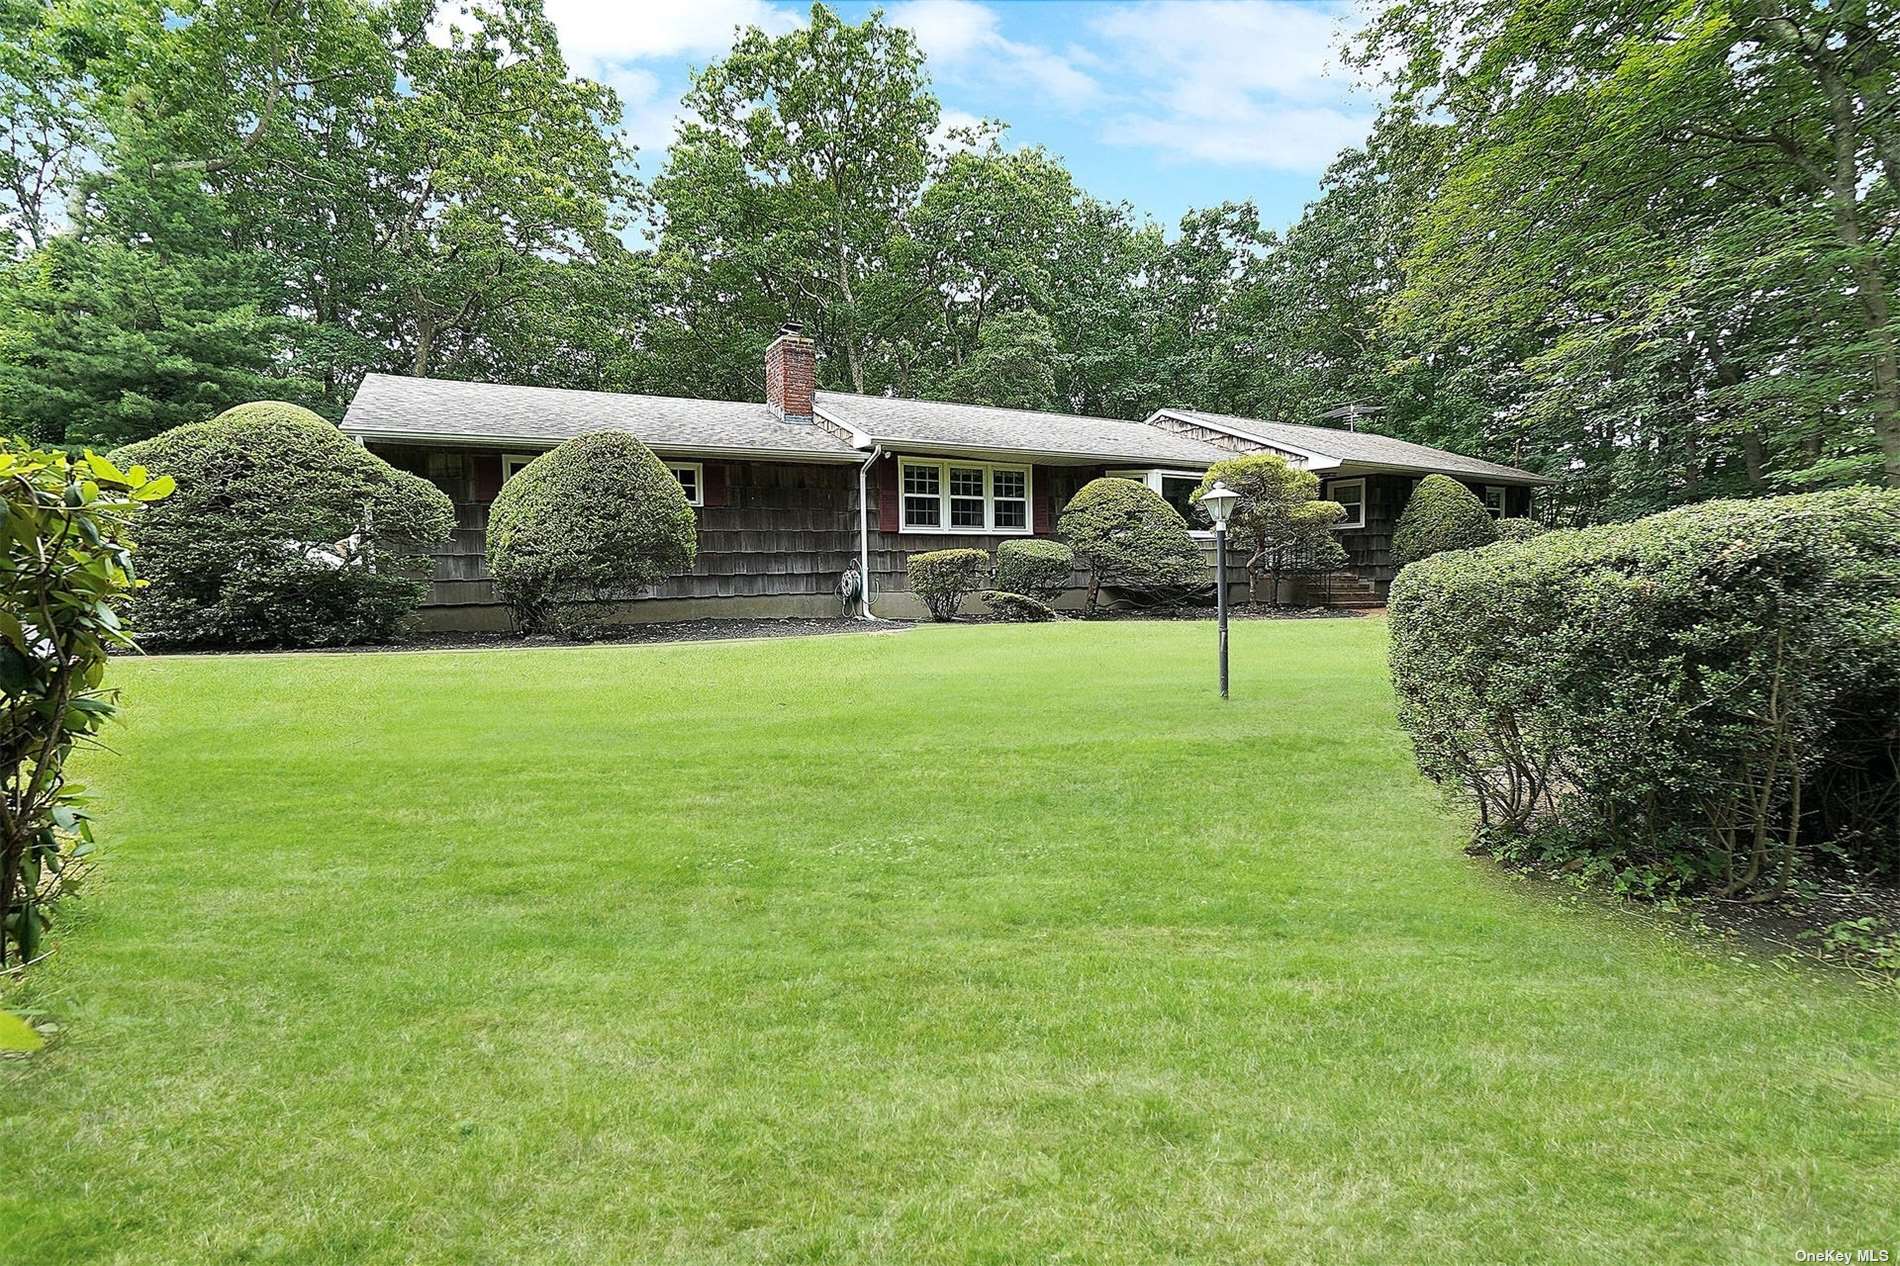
(791,374)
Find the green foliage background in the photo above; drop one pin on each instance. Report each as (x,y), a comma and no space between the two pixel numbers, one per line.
(1646,249)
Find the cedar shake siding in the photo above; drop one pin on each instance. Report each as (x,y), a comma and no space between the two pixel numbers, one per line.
(774,537)
(778,482)
(766,529)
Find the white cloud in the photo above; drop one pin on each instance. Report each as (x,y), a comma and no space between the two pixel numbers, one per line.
(964,40)
(608,31)
(942,142)
(607,40)
(649,112)
(1243,83)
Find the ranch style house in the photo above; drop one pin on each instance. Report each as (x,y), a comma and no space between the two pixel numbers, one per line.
(793,492)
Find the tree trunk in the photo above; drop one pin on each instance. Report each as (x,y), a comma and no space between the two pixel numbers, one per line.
(1754,458)
(1842,182)
(425,346)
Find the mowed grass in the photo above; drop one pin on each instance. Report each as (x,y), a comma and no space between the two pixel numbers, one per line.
(961,945)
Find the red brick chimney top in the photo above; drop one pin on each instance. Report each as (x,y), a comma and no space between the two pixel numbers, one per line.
(791,374)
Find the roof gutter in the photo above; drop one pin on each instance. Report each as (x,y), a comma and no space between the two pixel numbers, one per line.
(361,435)
(864,533)
(1045,456)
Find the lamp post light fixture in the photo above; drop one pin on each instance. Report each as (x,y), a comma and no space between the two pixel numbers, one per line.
(1219,501)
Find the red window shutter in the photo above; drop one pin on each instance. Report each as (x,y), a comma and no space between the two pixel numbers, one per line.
(486,471)
(714,494)
(887,495)
(1044,504)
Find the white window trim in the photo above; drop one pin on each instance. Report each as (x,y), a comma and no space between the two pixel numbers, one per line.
(1496,512)
(699,479)
(511,464)
(942,467)
(1332,486)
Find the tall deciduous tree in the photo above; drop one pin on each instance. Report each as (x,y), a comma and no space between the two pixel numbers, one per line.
(46,125)
(791,183)
(325,187)
(1667,230)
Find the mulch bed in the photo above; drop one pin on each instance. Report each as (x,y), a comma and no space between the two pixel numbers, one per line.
(786,626)
(638,634)
(1789,932)
(1239,611)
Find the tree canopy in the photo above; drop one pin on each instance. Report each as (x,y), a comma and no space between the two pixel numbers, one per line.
(1645,249)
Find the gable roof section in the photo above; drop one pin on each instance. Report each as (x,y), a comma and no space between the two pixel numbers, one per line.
(391,407)
(1356,447)
(940,425)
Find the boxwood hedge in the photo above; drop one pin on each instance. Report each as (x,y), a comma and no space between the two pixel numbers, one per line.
(283,532)
(943,578)
(1034,568)
(1707,698)
(1129,537)
(1442,514)
(585,526)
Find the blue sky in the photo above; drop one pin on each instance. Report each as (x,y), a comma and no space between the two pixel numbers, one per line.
(1169,104)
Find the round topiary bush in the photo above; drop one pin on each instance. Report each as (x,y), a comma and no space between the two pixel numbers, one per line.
(283,532)
(944,578)
(584,526)
(1442,514)
(1035,569)
(1519,529)
(1129,537)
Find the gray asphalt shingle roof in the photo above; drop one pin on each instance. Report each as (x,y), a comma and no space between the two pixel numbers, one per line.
(1360,446)
(940,424)
(390,406)
(423,407)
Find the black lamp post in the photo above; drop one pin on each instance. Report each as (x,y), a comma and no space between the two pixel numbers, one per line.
(1218,501)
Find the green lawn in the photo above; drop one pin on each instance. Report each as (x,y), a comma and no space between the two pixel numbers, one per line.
(968,944)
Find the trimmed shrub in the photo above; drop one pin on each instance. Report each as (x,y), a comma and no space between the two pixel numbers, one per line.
(584,527)
(1034,569)
(282,532)
(1442,514)
(1130,538)
(1519,529)
(1016,607)
(944,578)
(1706,698)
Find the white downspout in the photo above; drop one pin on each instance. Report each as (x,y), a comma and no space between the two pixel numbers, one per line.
(864,534)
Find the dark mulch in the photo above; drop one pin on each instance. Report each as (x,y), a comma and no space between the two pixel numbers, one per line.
(616,635)
(1792,930)
(787,626)
(1799,924)
(1239,611)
